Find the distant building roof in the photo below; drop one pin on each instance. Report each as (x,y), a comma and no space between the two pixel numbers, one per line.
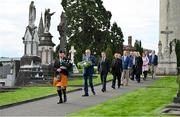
(7,59)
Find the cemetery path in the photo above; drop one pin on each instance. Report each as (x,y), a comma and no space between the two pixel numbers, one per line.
(49,106)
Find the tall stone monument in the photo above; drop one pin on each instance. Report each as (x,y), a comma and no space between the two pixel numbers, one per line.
(30,64)
(62,28)
(169,31)
(45,47)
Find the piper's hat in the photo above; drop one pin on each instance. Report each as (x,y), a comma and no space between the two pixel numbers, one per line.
(61,51)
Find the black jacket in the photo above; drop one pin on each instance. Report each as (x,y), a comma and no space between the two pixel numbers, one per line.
(138,65)
(117,66)
(66,63)
(103,66)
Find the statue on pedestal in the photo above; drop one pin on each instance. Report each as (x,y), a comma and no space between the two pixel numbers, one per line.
(32,14)
(62,28)
(47,19)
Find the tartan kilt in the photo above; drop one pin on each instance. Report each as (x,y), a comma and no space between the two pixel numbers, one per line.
(60,82)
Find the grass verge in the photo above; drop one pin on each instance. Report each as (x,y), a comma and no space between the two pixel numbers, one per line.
(26,93)
(143,102)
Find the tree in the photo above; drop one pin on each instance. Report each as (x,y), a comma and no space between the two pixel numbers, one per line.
(88,25)
(116,38)
(138,47)
(109,53)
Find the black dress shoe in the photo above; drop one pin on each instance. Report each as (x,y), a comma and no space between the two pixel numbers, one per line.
(113,87)
(102,90)
(65,99)
(85,95)
(94,93)
(60,102)
(132,79)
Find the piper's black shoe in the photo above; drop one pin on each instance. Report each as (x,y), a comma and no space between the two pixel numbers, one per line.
(60,101)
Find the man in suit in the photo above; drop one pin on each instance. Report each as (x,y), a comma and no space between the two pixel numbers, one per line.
(131,56)
(88,72)
(103,68)
(126,66)
(116,70)
(153,60)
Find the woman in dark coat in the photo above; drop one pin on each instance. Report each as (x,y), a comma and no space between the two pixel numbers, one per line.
(116,70)
(138,67)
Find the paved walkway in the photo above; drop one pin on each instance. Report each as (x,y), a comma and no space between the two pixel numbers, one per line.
(48,107)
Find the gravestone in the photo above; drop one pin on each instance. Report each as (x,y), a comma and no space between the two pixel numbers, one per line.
(10,81)
(72,52)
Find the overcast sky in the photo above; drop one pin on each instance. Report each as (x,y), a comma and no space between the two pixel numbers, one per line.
(139,18)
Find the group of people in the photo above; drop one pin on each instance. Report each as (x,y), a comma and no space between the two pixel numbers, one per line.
(128,66)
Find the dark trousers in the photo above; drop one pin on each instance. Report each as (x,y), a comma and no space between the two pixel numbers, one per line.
(86,78)
(138,79)
(145,74)
(133,72)
(61,91)
(118,77)
(103,80)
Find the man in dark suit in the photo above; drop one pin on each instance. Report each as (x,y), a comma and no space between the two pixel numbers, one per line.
(103,68)
(88,72)
(116,70)
(153,60)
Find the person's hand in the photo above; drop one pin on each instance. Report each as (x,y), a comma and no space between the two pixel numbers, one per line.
(58,70)
(62,67)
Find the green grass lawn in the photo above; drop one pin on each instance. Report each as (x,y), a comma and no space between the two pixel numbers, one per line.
(80,81)
(26,93)
(143,102)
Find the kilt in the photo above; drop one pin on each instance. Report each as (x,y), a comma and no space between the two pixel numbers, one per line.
(61,82)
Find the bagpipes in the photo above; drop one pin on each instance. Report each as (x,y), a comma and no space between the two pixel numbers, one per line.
(61,78)
(66,65)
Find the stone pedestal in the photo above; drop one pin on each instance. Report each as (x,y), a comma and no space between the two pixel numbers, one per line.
(27,60)
(30,68)
(47,71)
(46,48)
(167,68)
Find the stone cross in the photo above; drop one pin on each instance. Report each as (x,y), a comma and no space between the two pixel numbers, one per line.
(72,51)
(167,32)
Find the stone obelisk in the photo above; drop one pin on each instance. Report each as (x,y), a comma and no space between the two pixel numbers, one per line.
(169,32)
